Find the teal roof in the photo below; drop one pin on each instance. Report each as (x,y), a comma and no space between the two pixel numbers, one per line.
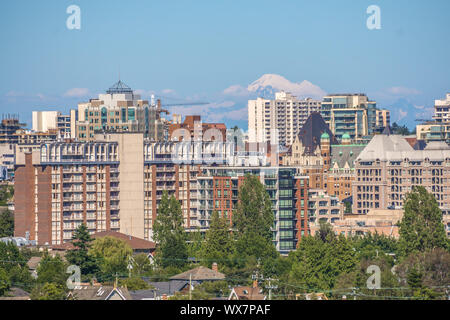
(345,136)
(325,136)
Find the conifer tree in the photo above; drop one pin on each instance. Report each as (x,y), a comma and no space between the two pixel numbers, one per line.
(421,227)
(218,245)
(169,233)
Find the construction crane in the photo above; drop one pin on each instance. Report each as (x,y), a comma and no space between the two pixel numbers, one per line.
(161,110)
(423,120)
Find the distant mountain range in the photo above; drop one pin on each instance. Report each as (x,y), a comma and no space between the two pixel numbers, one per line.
(403,111)
(269,84)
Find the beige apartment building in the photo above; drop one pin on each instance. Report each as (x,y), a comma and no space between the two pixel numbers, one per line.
(389,167)
(113,183)
(45,121)
(284,117)
(119,110)
(353,114)
(375,221)
(323,208)
(439,129)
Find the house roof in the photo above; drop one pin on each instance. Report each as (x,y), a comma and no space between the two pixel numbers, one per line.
(99,292)
(199,274)
(16,294)
(312,131)
(168,288)
(248,293)
(33,262)
(134,242)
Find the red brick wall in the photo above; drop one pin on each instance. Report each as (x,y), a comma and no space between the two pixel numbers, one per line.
(24,200)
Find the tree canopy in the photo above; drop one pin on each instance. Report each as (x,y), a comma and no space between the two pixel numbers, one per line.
(169,233)
(421,227)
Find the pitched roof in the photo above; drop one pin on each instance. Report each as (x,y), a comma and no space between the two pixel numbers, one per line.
(312,131)
(395,147)
(99,292)
(199,274)
(134,242)
(342,154)
(16,294)
(381,144)
(168,288)
(33,262)
(248,293)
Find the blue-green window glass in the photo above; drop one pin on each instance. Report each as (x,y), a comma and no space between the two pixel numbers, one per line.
(131,114)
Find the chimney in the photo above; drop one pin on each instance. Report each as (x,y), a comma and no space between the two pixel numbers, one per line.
(255,283)
(215,267)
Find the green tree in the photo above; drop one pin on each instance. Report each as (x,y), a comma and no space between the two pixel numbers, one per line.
(421,227)
(79,256)
(113,255)
(48,291)
(5,283)
(316,264)
(135,283)
(141,265)
(427,274)
(52,270)
(357,279)
(253,220)
(195,243)
(401,130)
(169,233)
(6,224)
(6,193)
(218,245)
(14,262)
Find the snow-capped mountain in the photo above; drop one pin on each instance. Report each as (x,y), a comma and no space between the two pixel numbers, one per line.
(403,112)
(268,84)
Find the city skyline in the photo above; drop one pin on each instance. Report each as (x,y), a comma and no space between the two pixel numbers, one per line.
(212,51)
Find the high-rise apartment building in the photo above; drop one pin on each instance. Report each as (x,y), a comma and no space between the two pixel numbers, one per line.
(120,110)
(112,183)
(44,121)
(352,114)
(442,109)
(439,129)
(288,191)
(284,117)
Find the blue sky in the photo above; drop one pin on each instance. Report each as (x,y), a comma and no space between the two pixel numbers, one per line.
(194,50)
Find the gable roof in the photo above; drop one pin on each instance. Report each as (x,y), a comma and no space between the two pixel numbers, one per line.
(199,274)
(98,293)
(247,293)
(312,131)
(134,242)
